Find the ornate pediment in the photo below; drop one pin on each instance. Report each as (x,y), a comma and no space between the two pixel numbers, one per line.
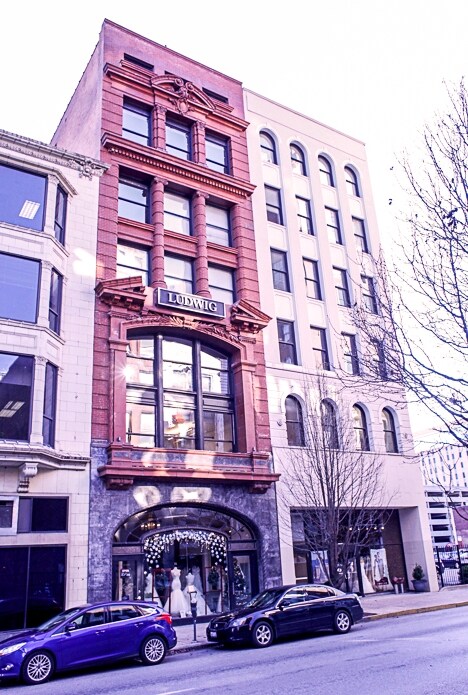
(246,317)
(127,293)
(185,96)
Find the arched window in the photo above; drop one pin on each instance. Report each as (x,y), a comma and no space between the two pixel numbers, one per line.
(268,148)
(388,423)
(326,171)
(360,428)
(297,160)
(329,425)
(294,423)
(179,395)
(352,184)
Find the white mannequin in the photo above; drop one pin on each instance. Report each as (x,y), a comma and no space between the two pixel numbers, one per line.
(202,608)
(176,604)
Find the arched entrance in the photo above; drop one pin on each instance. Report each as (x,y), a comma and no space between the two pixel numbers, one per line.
(158,553)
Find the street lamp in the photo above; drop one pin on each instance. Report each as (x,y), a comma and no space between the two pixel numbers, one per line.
(193,607)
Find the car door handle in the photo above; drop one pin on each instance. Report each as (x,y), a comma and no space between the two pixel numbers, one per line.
(100,632)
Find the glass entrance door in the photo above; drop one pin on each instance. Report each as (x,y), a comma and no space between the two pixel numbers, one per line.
(243,577)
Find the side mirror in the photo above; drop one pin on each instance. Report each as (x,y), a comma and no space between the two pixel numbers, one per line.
(284,603)
(70,627)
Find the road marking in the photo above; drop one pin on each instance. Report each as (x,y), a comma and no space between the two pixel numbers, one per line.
(174,692)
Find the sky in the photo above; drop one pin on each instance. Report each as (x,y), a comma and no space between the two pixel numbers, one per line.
(373,69)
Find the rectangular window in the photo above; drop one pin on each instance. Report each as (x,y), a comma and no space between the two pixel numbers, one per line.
(42,514)
(350,354)
(273,205)
(22,198)
(360,235)
(6,513)
(136,123)
(333,226)
(342,289)
(221,284)
(218,228)
(50,405)
(178,274)
(287,342)
(134,200)
(60,215)
(177,213)
(279,265)
(16,378)
(179,138)
(304,215)
(378,365)
(369,296)
(55,301)
(217,153)
(312,279)
(319,347)
(19,288)
(132,261)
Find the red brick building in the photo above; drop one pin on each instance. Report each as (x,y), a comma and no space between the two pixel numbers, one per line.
(181,467)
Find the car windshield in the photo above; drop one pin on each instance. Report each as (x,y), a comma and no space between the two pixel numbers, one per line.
(57,619)
(265,598)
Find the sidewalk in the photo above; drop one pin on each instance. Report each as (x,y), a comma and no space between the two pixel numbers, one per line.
(376,607)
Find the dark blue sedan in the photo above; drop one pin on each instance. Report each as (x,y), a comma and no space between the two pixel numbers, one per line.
(284,611)
(88,636)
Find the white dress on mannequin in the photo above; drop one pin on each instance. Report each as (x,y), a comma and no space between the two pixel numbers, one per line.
(176,604)
(202,608)
(197,579)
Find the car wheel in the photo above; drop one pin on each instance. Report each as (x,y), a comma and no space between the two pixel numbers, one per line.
(37,668)
(342,622)
(262,634)
(153,650)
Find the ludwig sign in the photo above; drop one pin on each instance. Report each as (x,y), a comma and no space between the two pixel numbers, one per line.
(190,302)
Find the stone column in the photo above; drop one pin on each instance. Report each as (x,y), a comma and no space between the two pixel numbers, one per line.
(159,127)
(157,214)
(198,139)
(199,228)
(243,241)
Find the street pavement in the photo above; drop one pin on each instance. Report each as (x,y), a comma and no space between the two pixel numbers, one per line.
(376,607)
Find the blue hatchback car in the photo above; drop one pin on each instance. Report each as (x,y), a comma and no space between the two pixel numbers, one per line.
(88,636)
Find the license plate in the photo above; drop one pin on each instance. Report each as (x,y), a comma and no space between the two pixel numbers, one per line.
(213,634)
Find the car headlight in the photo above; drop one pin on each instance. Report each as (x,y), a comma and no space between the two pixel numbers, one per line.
(11,649)
(239,621)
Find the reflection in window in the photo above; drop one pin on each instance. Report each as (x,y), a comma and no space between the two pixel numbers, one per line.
(55,301)
(217,153)
(274,209)
(22,198)
(388,423)
(177,213)
(136,123)
(221,284)
(294,422)
(360,429)
(268,149)
(352,185)
(178,274)
(60,214)
(16,372)
(134,200)
(178,139)
(287,342)
(218,225)
(19,288)
(329,425)
(297,160)
(50,405)
(178,395)
(325,171)
(132,261)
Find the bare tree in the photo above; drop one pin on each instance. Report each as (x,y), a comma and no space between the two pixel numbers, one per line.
(422,334)
(332,482)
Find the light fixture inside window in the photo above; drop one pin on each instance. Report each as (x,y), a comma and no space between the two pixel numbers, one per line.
(11,408)
(29,209)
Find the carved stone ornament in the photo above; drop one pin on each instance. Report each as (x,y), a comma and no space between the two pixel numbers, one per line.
(185,96)
(127,293)
(248,318)
(26,472)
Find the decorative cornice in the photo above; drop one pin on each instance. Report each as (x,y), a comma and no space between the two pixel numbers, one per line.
(86,166)
(35,455)
(163,162)
(127,293)
(248,318)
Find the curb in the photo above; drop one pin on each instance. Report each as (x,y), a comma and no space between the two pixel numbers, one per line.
(412,611)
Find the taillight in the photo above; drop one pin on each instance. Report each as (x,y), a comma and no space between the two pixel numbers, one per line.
(165,617)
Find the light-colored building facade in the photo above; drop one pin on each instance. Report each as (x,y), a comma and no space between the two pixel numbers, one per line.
(48,221)
(445,474)
(316,238)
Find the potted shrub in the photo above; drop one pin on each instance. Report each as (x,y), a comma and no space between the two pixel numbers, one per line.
(419,578)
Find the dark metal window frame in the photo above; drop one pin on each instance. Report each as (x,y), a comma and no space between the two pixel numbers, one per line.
(175,277)
(307,217)
(350,351)
(369,295)
(38,265)
(138,271)
(298,157)
(60,216)
(360,428)
(31,361)
(294,422)
(268,152)
(176,215)
(143,137)
(281,274)
(142,186)
(389,430)
(325,168)
(360,234)
(312,280)
(49,415)
(352,182)
(340,276)
(334,230)
(322,356)
(287,348)
(222,143)
(274,209)
(226,230)
(232,275)
(172,125)
(55,301)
